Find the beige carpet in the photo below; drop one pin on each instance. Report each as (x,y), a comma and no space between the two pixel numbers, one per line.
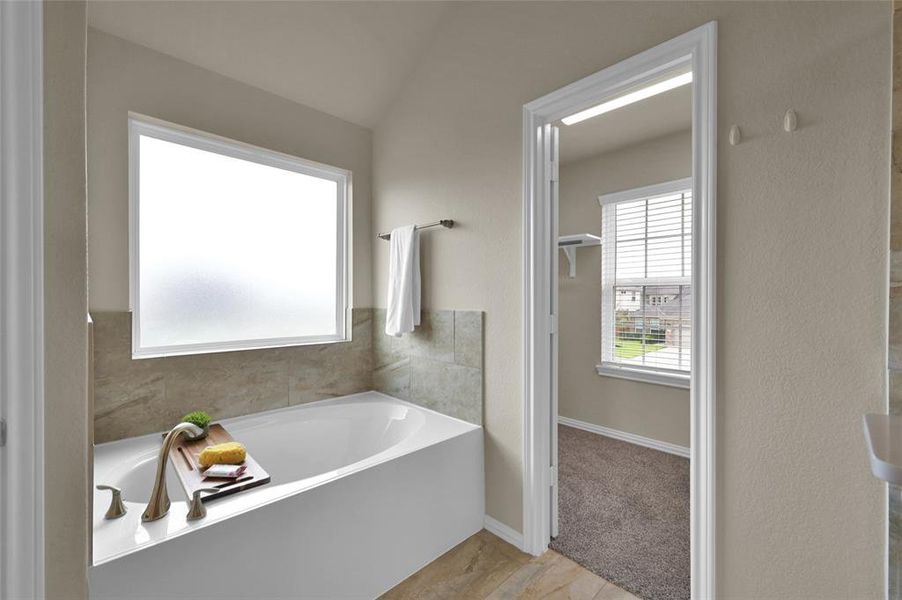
(624,513)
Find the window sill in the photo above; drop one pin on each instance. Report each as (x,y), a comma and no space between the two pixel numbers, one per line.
(218,348)
(644,375)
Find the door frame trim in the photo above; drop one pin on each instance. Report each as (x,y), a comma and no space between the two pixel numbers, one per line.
(22,298)
(698,48)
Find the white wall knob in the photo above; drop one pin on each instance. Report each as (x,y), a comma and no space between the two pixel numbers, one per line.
(790,121)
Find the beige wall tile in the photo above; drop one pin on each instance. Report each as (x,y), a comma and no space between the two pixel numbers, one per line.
(434,338)
(438,366)
(895,316)
(450,389)
(393,379)
(387,349)
(468,338)
(895,267)
(227,384)
(895,356)
(330,370)
(896,182)
(135,397)
(895,392)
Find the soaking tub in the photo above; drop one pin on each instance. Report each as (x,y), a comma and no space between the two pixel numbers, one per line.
(366,489)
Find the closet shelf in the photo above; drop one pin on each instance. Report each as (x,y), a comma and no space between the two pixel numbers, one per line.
(569,244)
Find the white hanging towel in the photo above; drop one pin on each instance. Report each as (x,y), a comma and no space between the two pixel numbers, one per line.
(403,312)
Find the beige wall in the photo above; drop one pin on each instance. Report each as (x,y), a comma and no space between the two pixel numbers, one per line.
(655,411)
(802,252)
(125,77)
(66,419)
(894,337)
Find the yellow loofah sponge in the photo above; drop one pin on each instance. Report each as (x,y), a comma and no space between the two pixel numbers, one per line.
(228,453)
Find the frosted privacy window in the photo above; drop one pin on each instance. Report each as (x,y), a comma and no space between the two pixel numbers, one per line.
(233,247)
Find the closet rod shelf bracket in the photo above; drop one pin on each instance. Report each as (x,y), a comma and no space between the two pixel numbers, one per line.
(569,244)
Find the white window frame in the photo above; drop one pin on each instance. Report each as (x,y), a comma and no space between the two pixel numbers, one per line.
(605,368)
(139,125)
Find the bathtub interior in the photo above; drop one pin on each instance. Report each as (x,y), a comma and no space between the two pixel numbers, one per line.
(136,480)
(297,448)
(291,449)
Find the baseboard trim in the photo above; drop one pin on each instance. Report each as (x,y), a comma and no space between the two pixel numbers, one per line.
(624,436)
(496,527)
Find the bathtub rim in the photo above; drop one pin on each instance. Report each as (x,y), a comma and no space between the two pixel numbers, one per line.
(178,509)
(302,405)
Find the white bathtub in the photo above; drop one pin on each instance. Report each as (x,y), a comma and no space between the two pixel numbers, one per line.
(365,490)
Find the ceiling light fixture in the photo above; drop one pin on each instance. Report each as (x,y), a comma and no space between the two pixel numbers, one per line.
(632,97)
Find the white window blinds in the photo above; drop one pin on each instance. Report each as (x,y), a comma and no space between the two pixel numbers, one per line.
(647,281)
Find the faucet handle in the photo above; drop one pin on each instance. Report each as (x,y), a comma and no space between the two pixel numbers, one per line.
(198,510)
(117,508)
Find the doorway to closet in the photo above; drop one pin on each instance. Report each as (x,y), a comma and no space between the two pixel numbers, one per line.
(655,329)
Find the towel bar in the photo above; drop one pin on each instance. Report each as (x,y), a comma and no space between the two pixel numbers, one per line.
(447,223)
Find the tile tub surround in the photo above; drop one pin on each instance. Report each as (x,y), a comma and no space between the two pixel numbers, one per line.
(136,397)
(438,366)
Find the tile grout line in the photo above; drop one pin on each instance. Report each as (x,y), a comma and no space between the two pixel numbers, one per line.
(454,337)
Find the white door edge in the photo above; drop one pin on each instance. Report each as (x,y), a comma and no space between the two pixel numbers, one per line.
(21,270)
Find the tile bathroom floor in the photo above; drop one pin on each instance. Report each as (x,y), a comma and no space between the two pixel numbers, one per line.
(486,567)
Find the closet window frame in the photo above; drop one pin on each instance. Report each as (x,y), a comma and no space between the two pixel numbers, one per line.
(611,368)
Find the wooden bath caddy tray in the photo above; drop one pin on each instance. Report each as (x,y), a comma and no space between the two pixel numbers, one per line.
(184,455)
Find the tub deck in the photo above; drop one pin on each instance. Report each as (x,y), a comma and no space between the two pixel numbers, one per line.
(358,474)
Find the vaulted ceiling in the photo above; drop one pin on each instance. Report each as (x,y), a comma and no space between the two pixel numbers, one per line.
(348,59)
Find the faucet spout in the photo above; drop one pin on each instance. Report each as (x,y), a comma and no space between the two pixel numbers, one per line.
(158,506)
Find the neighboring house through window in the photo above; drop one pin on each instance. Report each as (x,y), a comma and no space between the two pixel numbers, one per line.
(232,246)
(647,283)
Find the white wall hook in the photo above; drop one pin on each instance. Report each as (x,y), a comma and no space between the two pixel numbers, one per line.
(790,121)
(735,135)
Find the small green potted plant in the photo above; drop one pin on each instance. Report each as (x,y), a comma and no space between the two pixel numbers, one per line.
(202,420)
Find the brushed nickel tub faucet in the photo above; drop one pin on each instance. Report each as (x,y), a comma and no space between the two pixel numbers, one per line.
(158,505)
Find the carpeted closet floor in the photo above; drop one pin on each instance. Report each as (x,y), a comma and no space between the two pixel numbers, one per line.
(624,513)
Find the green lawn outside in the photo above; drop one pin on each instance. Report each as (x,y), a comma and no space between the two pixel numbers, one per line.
(633,348)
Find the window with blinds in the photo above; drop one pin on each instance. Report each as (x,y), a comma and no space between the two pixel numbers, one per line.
(647,283)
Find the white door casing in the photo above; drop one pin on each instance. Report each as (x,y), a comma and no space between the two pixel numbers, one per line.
(697,49)
(554,143)
(21,300)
